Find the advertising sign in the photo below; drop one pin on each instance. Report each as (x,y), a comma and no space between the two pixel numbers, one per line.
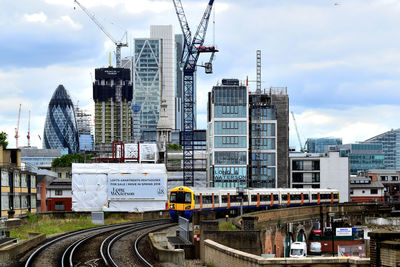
(344,232)
(137,186)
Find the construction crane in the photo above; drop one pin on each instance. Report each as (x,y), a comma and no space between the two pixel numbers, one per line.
(302,148)
(118,44)
(17,128)
(29,130)
(193,47)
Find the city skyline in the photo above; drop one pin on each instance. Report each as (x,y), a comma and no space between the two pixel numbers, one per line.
(339,62)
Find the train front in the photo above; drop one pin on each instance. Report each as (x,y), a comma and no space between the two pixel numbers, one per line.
(181,202)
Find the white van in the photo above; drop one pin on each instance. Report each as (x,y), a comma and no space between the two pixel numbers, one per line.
(298,250)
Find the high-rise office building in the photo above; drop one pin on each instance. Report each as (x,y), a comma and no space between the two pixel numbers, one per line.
(390,141)
(112,93)
(227,135)
(60,129)
(154,80)
(321,145)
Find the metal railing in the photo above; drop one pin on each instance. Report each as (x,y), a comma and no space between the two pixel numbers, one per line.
(184,228)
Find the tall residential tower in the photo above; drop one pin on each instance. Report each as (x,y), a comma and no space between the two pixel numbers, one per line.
(112,93)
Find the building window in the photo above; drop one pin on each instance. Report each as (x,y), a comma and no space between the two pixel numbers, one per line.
(59,175)
(58,192)
(395,178)
(374,191)
(297,165)
(297,177)
(315,165)
(384,178)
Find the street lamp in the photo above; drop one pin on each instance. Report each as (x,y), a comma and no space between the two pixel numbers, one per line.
(331,215)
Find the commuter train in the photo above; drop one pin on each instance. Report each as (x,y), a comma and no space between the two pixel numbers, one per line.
(183,201)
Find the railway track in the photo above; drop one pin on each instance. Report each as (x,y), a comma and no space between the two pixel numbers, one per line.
(94,247)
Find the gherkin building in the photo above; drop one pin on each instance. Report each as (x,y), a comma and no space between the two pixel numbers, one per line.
(60,129)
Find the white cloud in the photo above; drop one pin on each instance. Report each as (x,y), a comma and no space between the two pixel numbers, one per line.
(35,17)
(355,124)
(70,22)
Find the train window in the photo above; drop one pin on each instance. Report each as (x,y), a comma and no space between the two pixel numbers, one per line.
(234,198)
(295,197)
(181,197)
(197,199)
(224,199)
(276,197)
(172,197)
(325,196)
(265,197)
(305,196)
(284,197)
(253,198)
(245,198)
(207,199)
(314,196)
(335,196)
(216,199)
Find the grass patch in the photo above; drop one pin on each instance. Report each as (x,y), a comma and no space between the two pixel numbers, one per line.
(227,226)
(48,225)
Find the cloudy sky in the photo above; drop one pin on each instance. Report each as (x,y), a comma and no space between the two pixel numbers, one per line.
(340,60)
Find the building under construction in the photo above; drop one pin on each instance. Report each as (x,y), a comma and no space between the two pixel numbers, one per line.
(84,125)
(112,93)
(269,138)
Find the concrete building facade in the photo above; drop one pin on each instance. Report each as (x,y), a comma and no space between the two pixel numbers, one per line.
(329,170)
(280,101)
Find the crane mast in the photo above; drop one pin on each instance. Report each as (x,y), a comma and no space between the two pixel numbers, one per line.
(297,132)
(17,128)
(118,44)
(191,52)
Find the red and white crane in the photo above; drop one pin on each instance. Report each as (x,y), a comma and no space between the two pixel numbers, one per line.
(17,129)
(29,130)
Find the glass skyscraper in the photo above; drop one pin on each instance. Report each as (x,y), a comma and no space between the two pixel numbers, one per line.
(390,141)
(321,145)
(147,86)
(60,129)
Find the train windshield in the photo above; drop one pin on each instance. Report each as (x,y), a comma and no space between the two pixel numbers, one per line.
(181,197)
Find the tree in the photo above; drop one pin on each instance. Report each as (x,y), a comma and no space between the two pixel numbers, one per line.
(67,160)
(3,140)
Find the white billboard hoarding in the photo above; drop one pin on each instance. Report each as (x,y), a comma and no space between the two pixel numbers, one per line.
(137,186)
(344,232)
